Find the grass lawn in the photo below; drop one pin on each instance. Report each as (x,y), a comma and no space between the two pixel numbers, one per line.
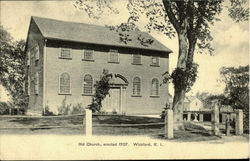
(102,125)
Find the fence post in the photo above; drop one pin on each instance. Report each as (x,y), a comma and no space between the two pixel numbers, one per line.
(88,122)
(189,116)
(239,122)
(201,117)
(228,128)
(169,124)
(215,121)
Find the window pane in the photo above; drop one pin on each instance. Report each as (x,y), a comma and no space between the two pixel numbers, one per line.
(65,53)
(87,84)
(88,54)
(113,56)
(155,87)
(64,83)
(136,59)
(155,60)
(136,86)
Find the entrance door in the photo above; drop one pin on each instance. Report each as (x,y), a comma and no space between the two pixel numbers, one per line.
(112,102)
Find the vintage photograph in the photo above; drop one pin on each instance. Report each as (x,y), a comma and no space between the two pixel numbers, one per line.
(124,79)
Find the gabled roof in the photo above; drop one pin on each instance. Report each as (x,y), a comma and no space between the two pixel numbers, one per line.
(86,33)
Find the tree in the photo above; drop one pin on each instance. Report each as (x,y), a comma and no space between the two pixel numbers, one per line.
(190,20)
(237,89)
(12,67)
(101,91)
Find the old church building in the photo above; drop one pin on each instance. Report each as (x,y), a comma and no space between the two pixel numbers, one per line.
(65,59)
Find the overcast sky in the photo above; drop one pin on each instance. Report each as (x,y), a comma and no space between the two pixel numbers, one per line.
(231,40)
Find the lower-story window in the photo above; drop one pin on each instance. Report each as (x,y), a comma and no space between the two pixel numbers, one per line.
(64,83)
(155,87)
(87,84)
(136,86)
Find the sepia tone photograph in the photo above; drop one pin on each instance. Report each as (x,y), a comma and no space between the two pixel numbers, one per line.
(124,79)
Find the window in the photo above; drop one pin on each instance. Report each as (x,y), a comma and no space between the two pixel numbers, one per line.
(65,53)
(36,51)
(155,87)
(37,83)
(113,56)
(28,59)
(136,59)
(137,86)
(155,61)
(64,83)
(87,84)
(88,55)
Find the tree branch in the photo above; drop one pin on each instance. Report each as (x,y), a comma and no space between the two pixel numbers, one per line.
(171,16)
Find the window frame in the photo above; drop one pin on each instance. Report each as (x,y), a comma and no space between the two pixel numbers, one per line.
(140,86)
(155,65)
(60,53)
(92,86)
(109,56)
(132,61)
(59,84)
(84,59)
(157,89)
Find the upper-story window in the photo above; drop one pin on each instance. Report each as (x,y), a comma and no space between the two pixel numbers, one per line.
(88,55)
(136,86)
(113,56)
(87,84)
(155,61)
(136,59)
(155,87)
(64,83)
(65,53)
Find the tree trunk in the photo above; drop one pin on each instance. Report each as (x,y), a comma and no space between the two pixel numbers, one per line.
(179,94)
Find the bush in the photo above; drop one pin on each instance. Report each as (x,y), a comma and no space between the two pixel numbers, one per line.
(77,109)
(4,108)
(47,112)
(64,109)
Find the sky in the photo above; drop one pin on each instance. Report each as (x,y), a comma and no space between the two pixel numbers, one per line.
(231,40)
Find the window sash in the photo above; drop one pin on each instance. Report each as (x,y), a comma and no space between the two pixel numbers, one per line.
(65,53)
(88,54)
(64,84)
(136,87)
(136,59)
(113,56)
(155,87)
(88,84)
(155,61)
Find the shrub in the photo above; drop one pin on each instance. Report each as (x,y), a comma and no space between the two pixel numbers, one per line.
(77,109)
(101,90)
(47,112)
(64,109)
(4,108)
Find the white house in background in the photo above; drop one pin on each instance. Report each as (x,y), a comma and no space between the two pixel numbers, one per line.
(195,104)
